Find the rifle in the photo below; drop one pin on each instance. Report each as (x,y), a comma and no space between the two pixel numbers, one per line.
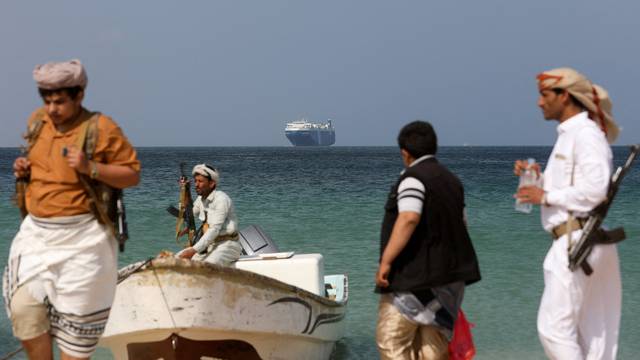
(592,233)
(33,130)
(120,225)
(185,210)
(20,194)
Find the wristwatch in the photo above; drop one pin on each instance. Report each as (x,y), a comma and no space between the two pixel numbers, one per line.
(543,201)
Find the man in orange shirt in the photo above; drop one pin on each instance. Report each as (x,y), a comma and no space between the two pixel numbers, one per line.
(61,276)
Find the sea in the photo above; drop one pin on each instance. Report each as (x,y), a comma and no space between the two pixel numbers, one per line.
(330,201)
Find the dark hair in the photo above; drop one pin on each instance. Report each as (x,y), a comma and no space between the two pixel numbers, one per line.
(71,91)
(571,97)
(418,138)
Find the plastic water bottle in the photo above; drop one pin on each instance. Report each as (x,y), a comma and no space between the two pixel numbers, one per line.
(527,177)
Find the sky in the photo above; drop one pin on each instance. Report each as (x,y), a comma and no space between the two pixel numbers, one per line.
(233,73)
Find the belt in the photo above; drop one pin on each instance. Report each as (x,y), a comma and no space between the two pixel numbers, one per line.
(232,236)
(220,238)
(560,230)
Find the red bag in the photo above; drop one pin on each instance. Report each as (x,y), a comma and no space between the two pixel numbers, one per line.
(461,345)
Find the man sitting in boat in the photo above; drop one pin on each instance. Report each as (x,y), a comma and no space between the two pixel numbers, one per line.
(219,241)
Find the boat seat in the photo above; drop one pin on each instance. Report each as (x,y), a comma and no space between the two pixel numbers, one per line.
(255,241)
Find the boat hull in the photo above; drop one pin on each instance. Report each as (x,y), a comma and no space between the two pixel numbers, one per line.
(175,299)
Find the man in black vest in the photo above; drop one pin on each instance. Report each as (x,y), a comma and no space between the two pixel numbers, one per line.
(426,255)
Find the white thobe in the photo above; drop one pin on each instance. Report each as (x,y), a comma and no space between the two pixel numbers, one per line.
(218,212)
(579,315)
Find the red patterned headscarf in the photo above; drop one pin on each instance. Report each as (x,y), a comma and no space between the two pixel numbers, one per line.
(593,97)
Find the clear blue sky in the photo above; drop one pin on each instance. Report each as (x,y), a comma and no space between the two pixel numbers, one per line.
(226,73)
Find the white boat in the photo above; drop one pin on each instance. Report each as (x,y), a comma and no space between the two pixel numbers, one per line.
(269,306)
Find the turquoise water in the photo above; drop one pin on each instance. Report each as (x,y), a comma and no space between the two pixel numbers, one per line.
(330,201)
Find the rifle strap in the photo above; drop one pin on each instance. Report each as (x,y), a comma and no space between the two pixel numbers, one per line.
(571,218)
(33,130)
(30,136)
(569,231)
(86,141)
(82,133)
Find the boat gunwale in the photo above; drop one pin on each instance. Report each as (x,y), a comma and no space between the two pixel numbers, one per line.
(184,265)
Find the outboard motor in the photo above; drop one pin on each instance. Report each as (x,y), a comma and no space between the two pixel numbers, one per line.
(255,241)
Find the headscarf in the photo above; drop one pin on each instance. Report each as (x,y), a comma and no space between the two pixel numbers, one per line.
(60,75)
(207,171)
(593,97)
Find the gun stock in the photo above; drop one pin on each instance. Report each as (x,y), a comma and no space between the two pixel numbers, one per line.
(185,221)
(20,195)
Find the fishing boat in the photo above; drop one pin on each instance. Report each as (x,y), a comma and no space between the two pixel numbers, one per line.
(267,306)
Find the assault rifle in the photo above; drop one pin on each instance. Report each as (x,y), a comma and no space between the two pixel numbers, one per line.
(592,233)
(121,227)
(184,213)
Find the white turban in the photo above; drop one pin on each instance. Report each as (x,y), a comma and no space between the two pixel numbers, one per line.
(207,171)
(593,97)
(66,74)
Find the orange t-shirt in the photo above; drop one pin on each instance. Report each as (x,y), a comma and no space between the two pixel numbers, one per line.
(55,189)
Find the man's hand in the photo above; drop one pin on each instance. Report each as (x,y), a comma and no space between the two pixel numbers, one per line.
(21,167)
(520,165)
(402,229)
(529,194)
(77,160)
(382,274)
(187,253)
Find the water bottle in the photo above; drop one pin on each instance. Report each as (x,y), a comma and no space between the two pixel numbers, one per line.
(527,177)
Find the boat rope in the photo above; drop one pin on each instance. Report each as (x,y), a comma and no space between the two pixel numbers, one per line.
(164,298)
(12,354)
(129,270)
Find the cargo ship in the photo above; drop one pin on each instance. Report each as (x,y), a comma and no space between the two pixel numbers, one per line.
(305,133)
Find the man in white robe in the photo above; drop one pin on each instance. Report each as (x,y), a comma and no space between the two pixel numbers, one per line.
(579,314)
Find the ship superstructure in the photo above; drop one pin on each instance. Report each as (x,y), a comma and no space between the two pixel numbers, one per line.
(305,133)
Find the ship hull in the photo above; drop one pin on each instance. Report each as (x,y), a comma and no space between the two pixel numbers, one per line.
(311,137)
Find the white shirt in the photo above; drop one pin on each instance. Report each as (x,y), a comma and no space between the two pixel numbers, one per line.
(218,211)
(582,150)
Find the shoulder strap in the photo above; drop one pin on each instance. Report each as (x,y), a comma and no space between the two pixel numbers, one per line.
(91,136)
(34,127)
(88,134)
(571,218)
(99,198)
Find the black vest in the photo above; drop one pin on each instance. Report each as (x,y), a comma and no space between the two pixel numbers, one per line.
(439,251)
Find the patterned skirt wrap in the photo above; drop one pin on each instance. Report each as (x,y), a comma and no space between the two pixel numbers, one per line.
(69,264)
